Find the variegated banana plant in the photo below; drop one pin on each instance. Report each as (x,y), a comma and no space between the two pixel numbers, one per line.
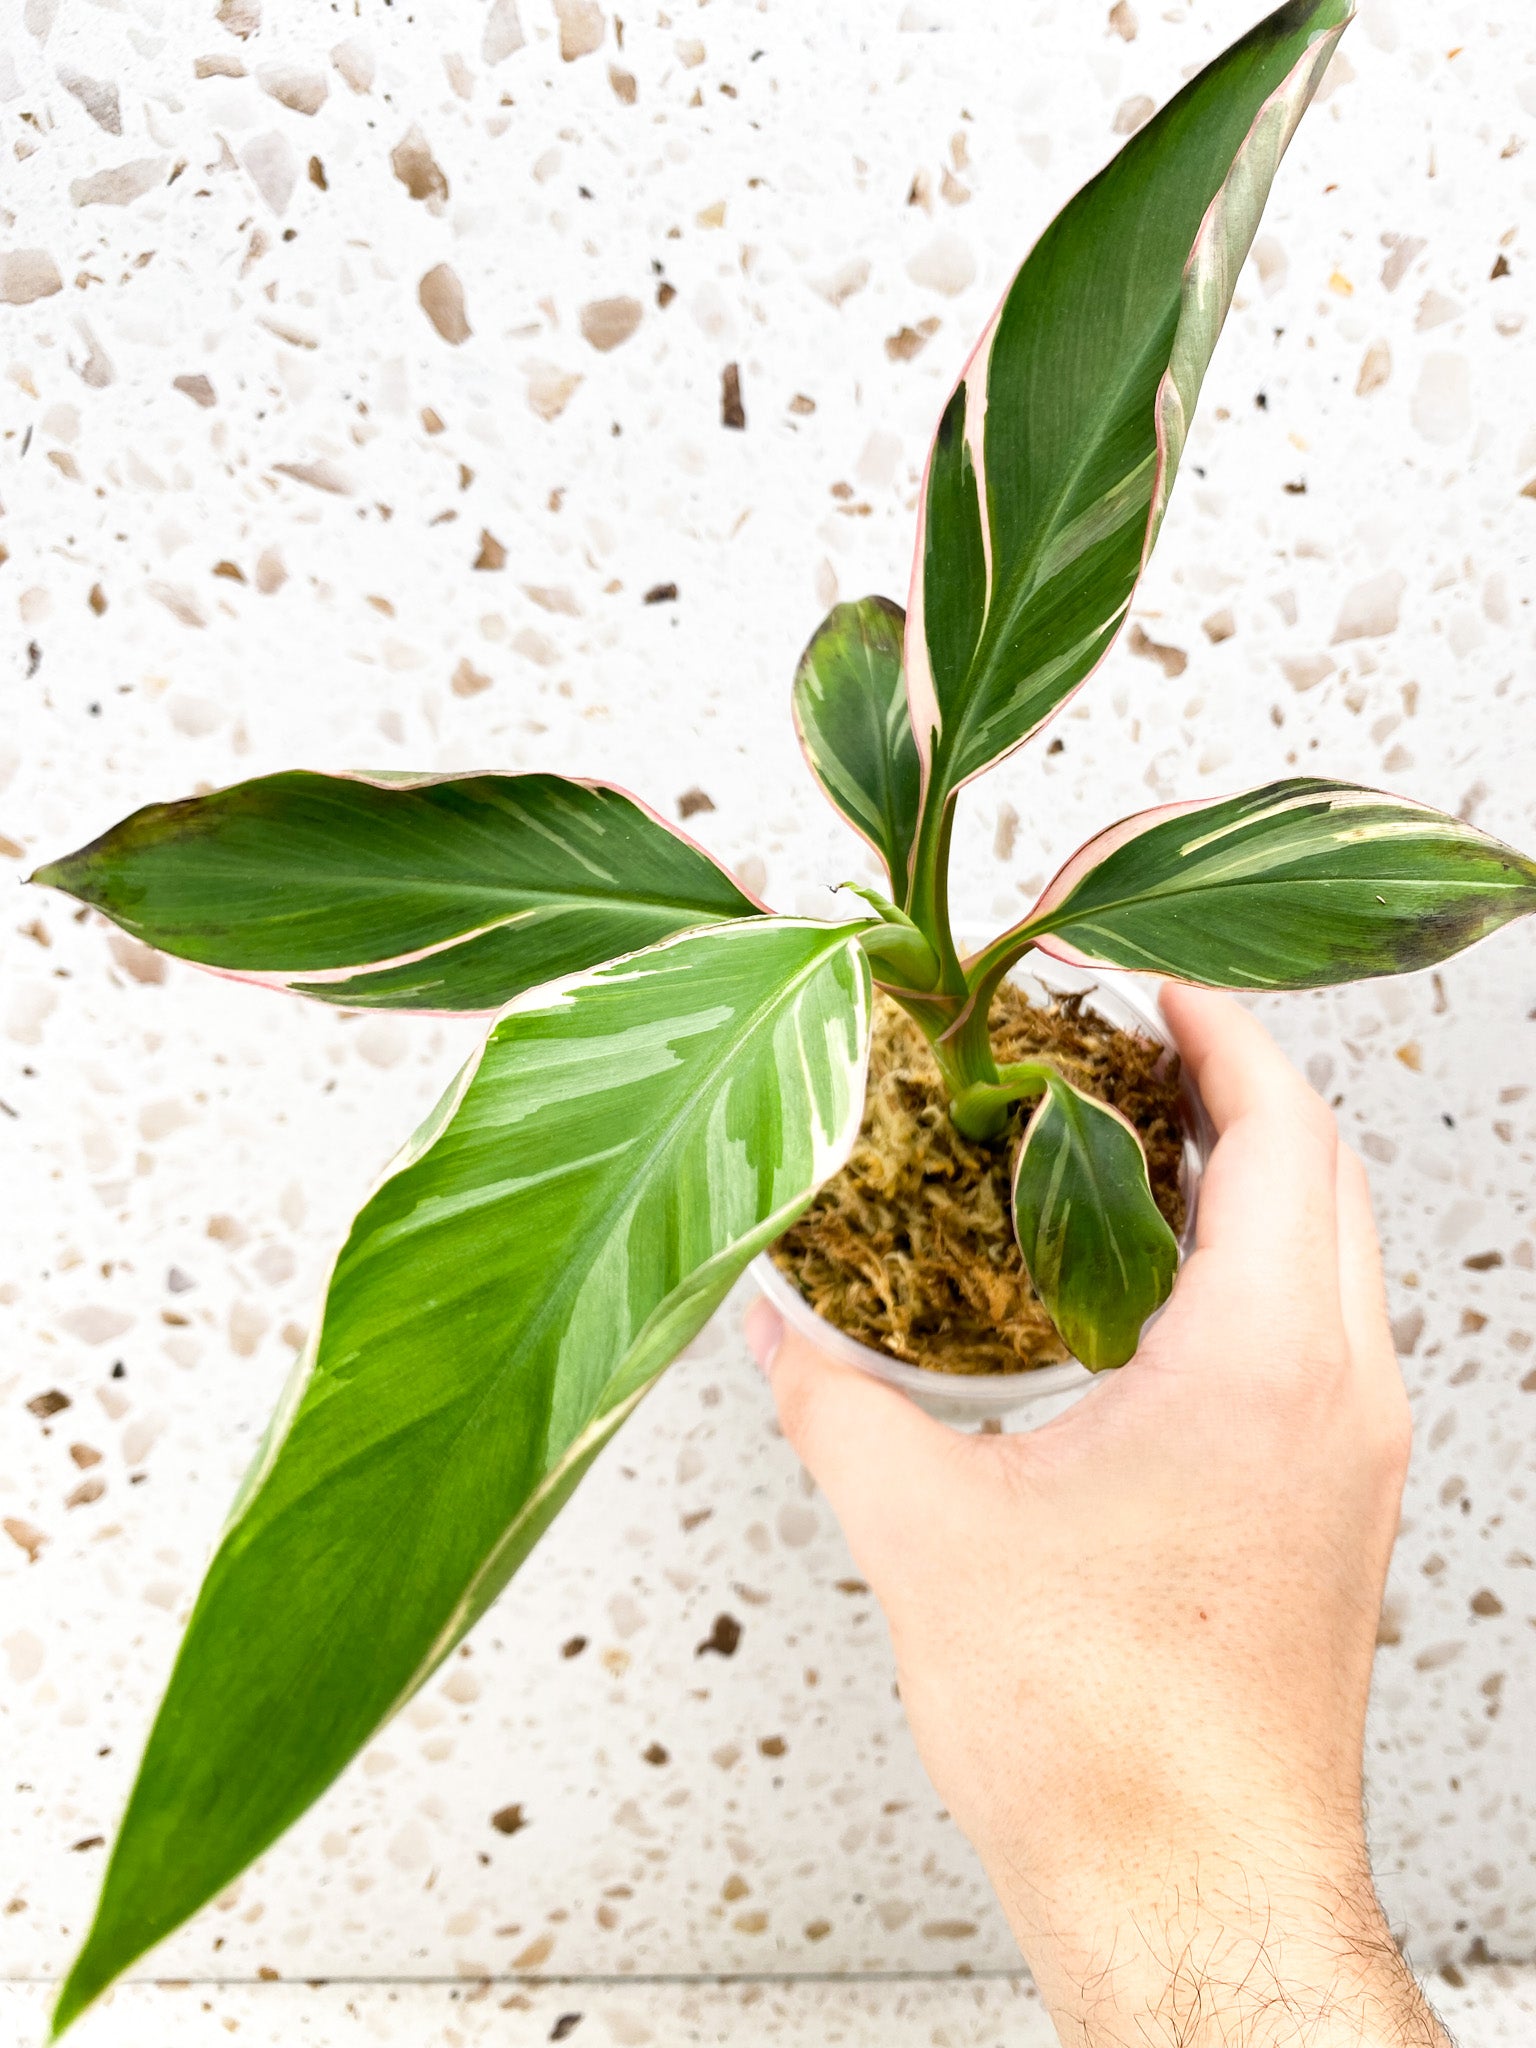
(671,1070)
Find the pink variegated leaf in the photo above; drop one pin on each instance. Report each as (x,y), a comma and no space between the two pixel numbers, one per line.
(1099,1253)
(1051,470)
(1299,885)
(451,892)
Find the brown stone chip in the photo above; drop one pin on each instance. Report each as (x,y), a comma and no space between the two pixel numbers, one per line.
(732,412)
(51,1403)
(1171,660)
(508,1819)
(694,800)
(442,300)
(661,593)
(414,165)
(581,28)
(492,554)
(606,323)
(722,1638)
(468,681)
(24,1536)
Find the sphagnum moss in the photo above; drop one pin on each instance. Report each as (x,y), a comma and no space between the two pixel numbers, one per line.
(911,1248)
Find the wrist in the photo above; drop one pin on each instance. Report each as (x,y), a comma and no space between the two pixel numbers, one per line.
(1228,1947)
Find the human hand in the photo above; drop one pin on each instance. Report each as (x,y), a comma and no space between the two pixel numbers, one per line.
(1135,1645)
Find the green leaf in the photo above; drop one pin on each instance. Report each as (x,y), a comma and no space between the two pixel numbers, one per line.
(1098,1250)
(1053,462)
(1296,885)
(850,704)
(401,893)
(577,1205)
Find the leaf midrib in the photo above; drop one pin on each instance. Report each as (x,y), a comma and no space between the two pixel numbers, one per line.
(1017,599)
(1087,911)
(574,1270)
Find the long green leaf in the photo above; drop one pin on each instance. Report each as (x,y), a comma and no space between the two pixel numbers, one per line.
(402,893)
(850,705)
(1055,456)
(576,1207)
(1098,1250)
(1296,885)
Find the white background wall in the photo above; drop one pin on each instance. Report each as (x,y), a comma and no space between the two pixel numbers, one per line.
(278,568)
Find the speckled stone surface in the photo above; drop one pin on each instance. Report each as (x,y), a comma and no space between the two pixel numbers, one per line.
(365,379)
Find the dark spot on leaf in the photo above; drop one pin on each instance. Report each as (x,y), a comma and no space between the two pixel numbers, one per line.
(693,801)
(508,1819)
(722,1638)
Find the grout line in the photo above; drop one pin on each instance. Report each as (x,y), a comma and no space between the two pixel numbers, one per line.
(611,1982)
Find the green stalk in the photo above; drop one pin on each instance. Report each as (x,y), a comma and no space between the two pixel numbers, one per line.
(980,1111)
(970,1041)
(929,905)
(965,1060)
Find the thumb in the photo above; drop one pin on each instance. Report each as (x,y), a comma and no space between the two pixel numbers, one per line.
(870,1450)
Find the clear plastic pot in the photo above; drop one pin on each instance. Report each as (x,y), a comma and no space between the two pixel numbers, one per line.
(1027,1398)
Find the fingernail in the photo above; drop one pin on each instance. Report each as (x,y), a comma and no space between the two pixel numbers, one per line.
(765,1333)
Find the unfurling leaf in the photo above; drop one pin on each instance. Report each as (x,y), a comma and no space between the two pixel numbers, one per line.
(1293,886)
(576,1206)
(1098,1250)
(1055,456)
(850,703)
(403,892)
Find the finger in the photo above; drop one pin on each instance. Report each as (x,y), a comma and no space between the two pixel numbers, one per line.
(1362,1293)
(1268,1205)
(1228,1054)
(870,1450)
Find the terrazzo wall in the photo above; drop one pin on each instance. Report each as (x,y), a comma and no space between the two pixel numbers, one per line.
(515,386)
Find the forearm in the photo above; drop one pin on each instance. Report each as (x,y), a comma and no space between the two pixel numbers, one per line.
(1221,1953)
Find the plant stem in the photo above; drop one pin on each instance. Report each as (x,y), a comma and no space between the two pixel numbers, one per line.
(969,1042)
(980,1111)
(929,905)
